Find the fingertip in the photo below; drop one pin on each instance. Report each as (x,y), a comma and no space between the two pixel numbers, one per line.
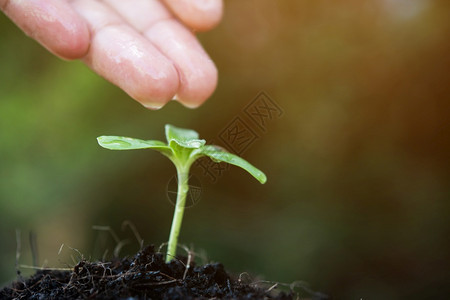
(150,91)
(134,64)
(74,45)
(200,15)
(196,71)
(194,91)
(205,17)
(151,82)
(154,94)
(126,58)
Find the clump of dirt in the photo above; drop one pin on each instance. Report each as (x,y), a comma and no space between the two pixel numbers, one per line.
(145,276)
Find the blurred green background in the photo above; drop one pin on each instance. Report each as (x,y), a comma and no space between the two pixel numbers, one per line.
(357,201)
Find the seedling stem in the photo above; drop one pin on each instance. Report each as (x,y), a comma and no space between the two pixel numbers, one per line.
(183,188)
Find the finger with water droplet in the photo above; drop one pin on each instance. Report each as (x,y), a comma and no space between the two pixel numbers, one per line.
(126,58)
(196,71)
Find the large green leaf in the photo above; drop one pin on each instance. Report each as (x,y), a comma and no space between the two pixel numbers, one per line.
(184,137)
(126,143)
(219,155)
(184,146)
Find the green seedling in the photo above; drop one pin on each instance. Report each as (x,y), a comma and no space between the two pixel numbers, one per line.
(183,148)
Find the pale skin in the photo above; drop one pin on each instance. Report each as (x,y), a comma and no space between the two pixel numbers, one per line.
(146,47)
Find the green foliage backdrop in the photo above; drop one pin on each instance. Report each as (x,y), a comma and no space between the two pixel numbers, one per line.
(358,165)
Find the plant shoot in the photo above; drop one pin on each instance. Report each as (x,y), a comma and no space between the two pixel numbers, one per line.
(183,148)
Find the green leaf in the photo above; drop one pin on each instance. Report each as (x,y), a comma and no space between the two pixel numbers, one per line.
(184,137)
(219,155)
(126,143)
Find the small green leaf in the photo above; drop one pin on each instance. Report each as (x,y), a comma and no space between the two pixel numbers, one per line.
(126,143)
(218,155)
(184,137)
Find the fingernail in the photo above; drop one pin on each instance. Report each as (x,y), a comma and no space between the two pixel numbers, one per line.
(191,105)
(153,106)
(187,105)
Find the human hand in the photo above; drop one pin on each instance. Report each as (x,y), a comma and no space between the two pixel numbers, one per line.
(142,46)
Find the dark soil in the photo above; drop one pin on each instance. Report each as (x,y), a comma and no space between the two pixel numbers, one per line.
(145,276)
